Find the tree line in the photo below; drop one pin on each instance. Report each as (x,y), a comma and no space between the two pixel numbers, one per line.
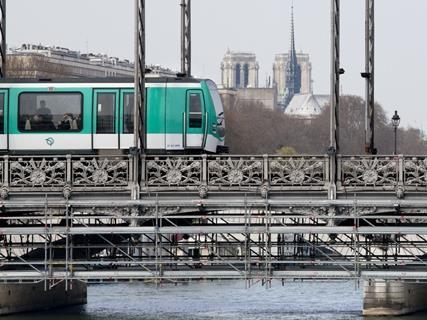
(253,129)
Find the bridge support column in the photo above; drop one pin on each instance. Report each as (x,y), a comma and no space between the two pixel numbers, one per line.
(26,297)
(393,298)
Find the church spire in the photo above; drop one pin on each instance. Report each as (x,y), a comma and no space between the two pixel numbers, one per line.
(293,51)
(293,69)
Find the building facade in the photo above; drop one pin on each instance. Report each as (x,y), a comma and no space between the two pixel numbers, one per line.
(38,61)
(239,70)
(267,97)
(292,72)
(280,73)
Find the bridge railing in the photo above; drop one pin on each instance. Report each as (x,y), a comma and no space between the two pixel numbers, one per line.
(251,173)
(201,173)
(381,172)
(66,174)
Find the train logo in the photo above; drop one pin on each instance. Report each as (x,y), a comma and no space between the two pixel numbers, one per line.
(50,141)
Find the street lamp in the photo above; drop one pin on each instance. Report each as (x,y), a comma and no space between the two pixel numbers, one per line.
(395,121)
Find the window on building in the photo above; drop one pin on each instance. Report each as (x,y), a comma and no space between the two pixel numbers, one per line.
(106,109)
(128,108)
(195,108)
(245,75)
(49,112)
(238,79)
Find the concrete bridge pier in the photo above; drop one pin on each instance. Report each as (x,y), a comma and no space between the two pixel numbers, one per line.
(27,297)
(393,298)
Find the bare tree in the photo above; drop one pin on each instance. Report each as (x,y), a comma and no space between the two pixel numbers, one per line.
(253,129)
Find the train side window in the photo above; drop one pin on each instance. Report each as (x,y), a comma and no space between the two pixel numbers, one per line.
(50,112)
(128,105)
(2,113)
(106,108)
(195,110)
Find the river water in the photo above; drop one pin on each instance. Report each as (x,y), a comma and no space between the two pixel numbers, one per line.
(216,300)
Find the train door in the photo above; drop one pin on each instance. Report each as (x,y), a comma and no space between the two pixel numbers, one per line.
(126,127)
(195,120)
(106,111)
(3,122)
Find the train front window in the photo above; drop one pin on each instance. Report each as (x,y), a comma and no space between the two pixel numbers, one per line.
(106,109)
(195,110)
(50,112)
(128,106)
(216,99)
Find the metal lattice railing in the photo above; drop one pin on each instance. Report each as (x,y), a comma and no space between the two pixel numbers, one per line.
(215,173)
(234,172)
(64,173)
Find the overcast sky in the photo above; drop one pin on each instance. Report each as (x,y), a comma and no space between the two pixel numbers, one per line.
(259,26)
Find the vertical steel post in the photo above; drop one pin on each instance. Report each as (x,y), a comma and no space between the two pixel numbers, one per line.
(186,37)
(139,107)
(395,140)
(369,76)
(139,96)
(3,47)
(335,93)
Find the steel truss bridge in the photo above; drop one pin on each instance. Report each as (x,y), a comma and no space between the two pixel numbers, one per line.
(174,218)
(253,217)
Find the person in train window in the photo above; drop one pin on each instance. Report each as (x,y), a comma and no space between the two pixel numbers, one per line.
(42,122)
(44,111)
(67,123)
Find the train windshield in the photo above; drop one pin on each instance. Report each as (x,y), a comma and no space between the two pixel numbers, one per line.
(219,109)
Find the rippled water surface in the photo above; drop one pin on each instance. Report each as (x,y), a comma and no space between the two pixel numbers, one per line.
(215,300)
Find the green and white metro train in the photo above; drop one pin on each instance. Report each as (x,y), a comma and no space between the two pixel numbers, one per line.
(182,115)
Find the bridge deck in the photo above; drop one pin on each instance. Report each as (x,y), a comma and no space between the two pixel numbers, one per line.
(98,218)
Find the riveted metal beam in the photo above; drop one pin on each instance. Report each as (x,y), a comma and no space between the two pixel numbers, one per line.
(3,47)
(336,71)
(186,37)
(139,110)
(369,76)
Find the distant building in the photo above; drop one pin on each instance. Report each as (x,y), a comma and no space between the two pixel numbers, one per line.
(306,106)
(240,81)
(265,96)
(280,74)
(38,61)
(291,72)
(239,70)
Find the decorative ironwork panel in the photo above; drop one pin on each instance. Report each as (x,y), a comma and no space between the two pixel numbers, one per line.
(415,171)
(100,172)
(174,171)
(297,171)
(37,172)
(235,171)
(372,171)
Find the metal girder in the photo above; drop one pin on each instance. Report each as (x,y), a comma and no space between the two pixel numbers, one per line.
(335,94)
(369,75)
(3,47)
(139,109)
(214,274)
(241,229)
(335,74)
(186,37)
(231,203)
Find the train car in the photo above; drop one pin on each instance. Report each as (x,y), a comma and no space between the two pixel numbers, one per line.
(183,115)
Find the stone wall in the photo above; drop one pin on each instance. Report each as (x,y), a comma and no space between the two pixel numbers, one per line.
(392,298)
(22,297)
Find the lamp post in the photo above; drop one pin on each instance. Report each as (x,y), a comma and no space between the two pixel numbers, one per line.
(395,121)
